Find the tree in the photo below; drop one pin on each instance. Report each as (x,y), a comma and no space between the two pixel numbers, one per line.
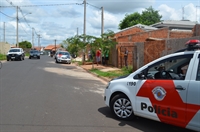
(79,43)
(25,44)
(149,16)
(130,20)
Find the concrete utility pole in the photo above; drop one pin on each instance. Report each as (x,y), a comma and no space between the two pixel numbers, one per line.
(55,45)
(102,21)
(32,37)
(39,41)
(84,27)
(4,30)
(17,27)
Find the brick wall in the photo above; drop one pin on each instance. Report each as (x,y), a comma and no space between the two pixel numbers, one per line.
(153,50)
(142,51)
(180,34)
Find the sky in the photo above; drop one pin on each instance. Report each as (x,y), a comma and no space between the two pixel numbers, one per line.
(45,22)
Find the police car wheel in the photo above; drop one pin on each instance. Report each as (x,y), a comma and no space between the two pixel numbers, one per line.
(121,107)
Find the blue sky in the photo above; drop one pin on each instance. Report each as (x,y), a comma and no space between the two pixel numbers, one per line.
(61,19)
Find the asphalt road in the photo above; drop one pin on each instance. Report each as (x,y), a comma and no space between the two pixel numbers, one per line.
(42,96)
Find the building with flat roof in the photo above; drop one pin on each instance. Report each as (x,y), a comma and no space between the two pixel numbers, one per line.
(184,25)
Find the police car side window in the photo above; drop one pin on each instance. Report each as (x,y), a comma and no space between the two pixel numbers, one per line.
(172,68)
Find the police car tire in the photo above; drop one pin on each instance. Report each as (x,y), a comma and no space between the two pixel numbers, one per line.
(117,107)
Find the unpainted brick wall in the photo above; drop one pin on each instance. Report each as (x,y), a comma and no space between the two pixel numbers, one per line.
(176,34)
(153,50)
(129,31)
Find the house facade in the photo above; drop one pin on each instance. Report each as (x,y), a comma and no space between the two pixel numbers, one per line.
(146,43)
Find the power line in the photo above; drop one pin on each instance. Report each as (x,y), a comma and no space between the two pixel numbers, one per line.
(6,14)
(94,6)
(46,5)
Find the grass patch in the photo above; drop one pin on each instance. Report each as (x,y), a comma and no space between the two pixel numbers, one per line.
(113,74)
(2,57)
(109,74)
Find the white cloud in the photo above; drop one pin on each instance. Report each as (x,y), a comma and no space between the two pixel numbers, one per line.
(61,21)
(121,6)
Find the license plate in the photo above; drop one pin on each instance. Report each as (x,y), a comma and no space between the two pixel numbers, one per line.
(13,57)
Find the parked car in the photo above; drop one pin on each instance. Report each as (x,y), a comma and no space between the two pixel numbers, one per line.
(63,57)
(34,54)
(15,54)
(165,90)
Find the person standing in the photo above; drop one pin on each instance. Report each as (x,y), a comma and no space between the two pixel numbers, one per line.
(107,56)
(90,55)
(98,56)
(126,57)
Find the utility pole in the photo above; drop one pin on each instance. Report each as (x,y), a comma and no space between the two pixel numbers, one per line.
(32,37)
(55,45)
(183,13)
(17,28)
(77,31)
(84,28)
(102,21)
(4,29)
(39,41)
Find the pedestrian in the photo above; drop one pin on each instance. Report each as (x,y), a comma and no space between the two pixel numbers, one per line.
(98,56)
(90,55)
(126,57)
(107,56)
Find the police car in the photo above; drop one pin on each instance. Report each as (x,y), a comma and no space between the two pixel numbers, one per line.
(166,90)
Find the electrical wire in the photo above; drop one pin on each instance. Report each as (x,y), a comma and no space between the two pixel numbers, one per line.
(6,14)
(94,6)
(46,5)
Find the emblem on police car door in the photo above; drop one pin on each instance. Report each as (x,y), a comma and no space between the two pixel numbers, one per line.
(159,93)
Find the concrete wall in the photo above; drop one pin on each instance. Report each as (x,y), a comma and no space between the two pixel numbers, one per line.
(4,47)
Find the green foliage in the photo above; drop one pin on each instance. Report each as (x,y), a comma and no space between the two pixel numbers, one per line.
(25,44)
(109,74)
(149,16)
(127,70)
(130,20)
(2,57)
(113,74)
(79,43)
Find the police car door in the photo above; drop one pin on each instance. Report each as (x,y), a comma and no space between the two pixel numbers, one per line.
(193,97)
(162,94)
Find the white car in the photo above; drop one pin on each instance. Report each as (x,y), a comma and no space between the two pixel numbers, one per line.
(15,54)
(63,57)
(166,90)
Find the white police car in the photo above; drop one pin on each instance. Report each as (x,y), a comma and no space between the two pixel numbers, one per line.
(166,90)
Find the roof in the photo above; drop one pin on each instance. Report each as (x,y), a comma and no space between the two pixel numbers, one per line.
(51,47)
(144,27)
(175,24)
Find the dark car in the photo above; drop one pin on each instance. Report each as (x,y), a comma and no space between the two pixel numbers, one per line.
(15,54)
(34,54)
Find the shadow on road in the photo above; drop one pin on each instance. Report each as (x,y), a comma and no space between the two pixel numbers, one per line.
(143,124)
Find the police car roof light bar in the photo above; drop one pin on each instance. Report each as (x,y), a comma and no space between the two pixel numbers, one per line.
(191,46)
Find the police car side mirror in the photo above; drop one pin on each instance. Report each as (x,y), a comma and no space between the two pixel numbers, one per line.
(140,76)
